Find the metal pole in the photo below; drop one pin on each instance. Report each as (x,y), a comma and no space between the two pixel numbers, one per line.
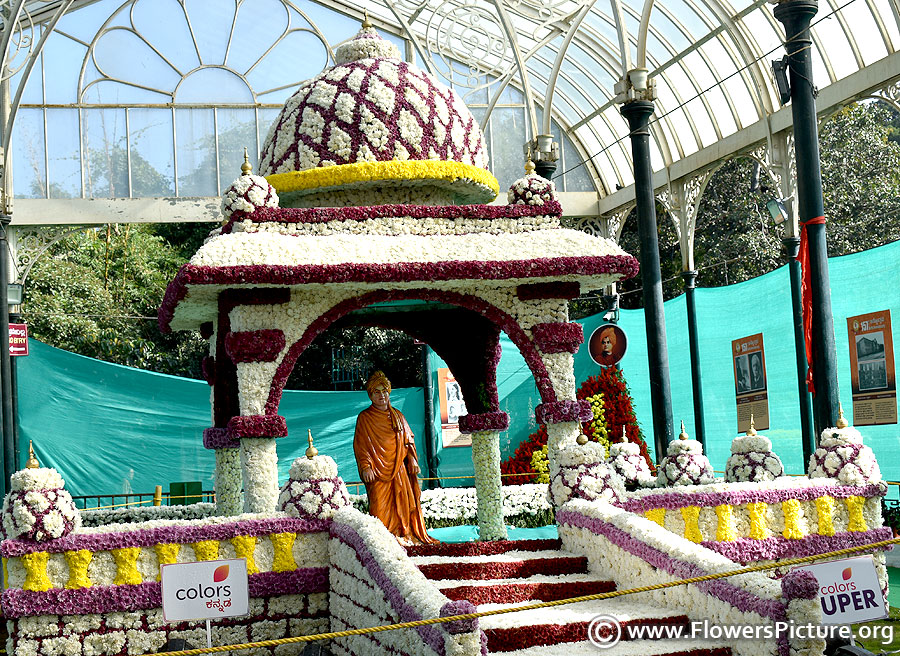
(792,247)
(9,448)
(690,281)
(637,113)
(428,393)
(796,16)
(15,317)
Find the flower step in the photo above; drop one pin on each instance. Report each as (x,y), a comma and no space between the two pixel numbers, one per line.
(458,549)
(508,591)
(511,564)
(632,648)
(543,627)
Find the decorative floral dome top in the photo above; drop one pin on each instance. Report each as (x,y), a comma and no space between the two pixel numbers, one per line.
(752,458)
(684,463)
(248,192)
(374,121)
(532,189)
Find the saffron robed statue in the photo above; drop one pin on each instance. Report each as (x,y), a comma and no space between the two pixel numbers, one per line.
(386,457)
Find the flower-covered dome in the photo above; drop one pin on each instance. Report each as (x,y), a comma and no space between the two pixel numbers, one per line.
(843,456)
(37,507)
(248,193)
(532,189)
(752,459)
(374,121)
(685,463)
(625,458)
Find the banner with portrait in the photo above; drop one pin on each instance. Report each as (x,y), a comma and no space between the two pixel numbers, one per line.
(607,344)
(750,386)
(872,374)
(452,408)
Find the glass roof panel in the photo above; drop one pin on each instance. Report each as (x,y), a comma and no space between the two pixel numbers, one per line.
(883,8)
(840,54)
(867,36)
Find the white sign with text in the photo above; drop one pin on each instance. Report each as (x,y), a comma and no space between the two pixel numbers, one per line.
(204,590)
(849,590)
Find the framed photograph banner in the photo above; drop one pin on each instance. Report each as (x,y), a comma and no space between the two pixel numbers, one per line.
(750,385)
(452,408)
(872,373)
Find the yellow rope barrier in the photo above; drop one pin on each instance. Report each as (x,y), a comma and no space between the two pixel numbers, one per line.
(544,604)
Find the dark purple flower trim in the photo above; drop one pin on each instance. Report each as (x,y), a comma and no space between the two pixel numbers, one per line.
(558,412)
(460,607)
(281,274)
(539,291)
(747,550)
(799,584)
(257,426)
(254,345)
(506,322)
(208,368)
(430,634)
(486,421)
(367,213)
(144,596)
(218,438)
(671,500)
(148,537)
(558,337)
(719,588)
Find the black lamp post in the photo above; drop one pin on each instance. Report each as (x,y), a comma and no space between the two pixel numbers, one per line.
(8,418)
(690,283)
(796,16)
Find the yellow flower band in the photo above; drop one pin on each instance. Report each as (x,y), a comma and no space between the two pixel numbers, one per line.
(691,516)
(476,184)
(725,528)
(657,515)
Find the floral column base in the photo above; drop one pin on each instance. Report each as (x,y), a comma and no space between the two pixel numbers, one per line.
(228,482)
(486,454)
(259,465)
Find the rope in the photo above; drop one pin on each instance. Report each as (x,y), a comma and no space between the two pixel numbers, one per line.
(544,604)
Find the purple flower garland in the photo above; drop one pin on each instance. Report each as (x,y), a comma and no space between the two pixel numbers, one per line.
(486,421)
(254,345)
(218,438)
(269,425)
(557,412)
(558,337)
(144,596)
(747,550)
(674,500)
(799,584)
(540,291)
(313,215)
(148,537)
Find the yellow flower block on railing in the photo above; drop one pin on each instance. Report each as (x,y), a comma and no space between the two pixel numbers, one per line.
(283,543)
(691,515)
(725,527)
(857,521)
(78,562)
(657,515)
(244,547)
(206,549)
(791,510)
(36,578)
(166,554)
(126,566)
(825,512)
(759,529)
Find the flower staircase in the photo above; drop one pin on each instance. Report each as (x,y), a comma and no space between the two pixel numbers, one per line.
(509,573)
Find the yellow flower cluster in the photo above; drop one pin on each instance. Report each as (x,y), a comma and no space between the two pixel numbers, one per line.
(657,515)
(329,177)
(283,543)
(725,527)
(825,514)
(598,423)
(758,528)
(857,522)
(540,464)
(206,549)
(691,516)
(126,566)
(78,562)
(791,509)
(244,546)
(36,578)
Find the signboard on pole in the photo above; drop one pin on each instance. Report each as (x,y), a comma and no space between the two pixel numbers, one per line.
(849,590)
(750,386)
(452,407)
(18,339)
(204,590)
(872,375)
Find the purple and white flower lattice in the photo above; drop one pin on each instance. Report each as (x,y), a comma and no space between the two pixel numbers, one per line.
(685,464)
(626,460)
(247,194)
(752,459)
(37,507)
(581,472)
(531,190)
(843,456)
(313,490)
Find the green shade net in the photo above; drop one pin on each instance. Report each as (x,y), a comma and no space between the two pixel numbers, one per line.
(95,422)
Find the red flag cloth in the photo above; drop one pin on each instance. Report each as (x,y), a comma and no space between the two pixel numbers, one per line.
(806,296)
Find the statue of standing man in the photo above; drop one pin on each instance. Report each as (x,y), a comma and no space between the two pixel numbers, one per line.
(386,457)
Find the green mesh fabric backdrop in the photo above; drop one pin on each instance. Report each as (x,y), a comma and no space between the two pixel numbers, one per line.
(96,422)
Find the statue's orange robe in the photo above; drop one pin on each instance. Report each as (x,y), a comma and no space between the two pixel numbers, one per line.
(382,442)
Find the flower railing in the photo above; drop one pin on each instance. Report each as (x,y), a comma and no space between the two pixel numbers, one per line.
(373,582)
(784,518)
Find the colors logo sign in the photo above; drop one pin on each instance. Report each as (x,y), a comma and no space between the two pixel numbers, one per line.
(849,590)
(204,590)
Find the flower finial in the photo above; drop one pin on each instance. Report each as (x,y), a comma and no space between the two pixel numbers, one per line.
(246,167)
(582,439)
(752,429)
(529,166)
(366,24)
(842,421)
(624,435)
(683,435)
(311,451)
(32,462)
